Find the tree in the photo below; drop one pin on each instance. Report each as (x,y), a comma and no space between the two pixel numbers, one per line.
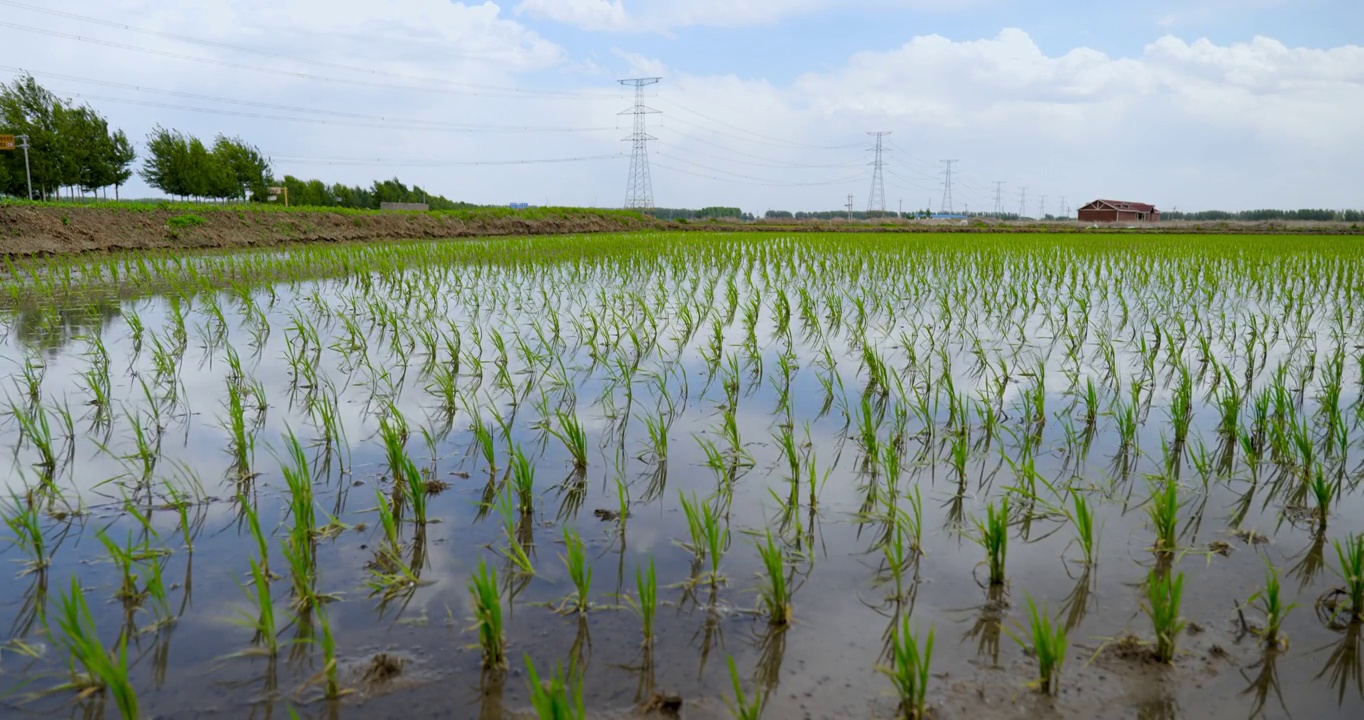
(120,159)
(166,165)
(26,108)
(248,169)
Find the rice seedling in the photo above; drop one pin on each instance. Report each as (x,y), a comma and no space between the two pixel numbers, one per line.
(993,536)
(910,660)
(1350,554)
(1272,606)
(645,602)
(1081,516)
(554,699)
(743,707)
(573,436)
(1046,642)
(93,667)
(579,571)
(488,616)
(22,519)
(523,479)
(1323,492)
(774,591)
(1163,511)
(1164,596)
(709,539)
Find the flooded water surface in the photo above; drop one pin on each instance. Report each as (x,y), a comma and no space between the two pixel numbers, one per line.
(385,481)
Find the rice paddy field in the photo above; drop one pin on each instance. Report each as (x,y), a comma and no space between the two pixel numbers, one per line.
(706,475)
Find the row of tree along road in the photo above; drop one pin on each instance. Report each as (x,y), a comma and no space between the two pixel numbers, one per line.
(74,153)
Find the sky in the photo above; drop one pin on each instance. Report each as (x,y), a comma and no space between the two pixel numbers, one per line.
(761,104)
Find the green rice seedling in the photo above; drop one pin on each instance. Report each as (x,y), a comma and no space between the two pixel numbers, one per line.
(1047,643)
(993,535)
(506,508)
(1323,492)
(1272,606)
(573,436)
(34,426)
(1163,511)
(909,668)
(329,664)
(709,538)
(488,616)
(645,602)
(93,668)
(1083,520)
(242,443)
(264,621)
(774,592)
(415,487)
(23,521)
(553,699)
(523,479)
(1351,557)
(743,707)
(657,427)
(483,440)
(579,571)
(1163,598)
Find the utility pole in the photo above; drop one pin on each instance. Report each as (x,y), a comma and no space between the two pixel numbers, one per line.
(876,201)
(850,207)
(947,188)
(1042,207)
(999,198)
(639,188)
(1022,200)
(901,213)
(28,174)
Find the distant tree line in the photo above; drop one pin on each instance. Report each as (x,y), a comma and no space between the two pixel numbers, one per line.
(1265,215)
(72,150)
(705,213)
(70,146)
(319,194)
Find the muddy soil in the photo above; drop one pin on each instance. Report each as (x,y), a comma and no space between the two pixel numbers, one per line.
(62,230)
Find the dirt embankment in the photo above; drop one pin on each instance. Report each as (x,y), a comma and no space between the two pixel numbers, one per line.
(62,230)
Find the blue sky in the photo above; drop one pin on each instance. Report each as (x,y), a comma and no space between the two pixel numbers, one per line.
(765,103)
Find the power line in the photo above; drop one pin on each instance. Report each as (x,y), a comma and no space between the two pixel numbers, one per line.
(189,39)
(876,201)
(491,92)
(316,121)
(771,140)
(761,181)
(639,188)
(947,189)
(436,163)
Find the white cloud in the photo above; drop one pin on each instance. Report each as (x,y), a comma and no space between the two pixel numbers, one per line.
(586,14)
(1183,122)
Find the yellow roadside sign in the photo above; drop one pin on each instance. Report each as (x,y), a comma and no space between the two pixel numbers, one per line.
(6,142)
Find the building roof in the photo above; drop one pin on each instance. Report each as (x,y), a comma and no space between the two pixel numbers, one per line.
(1120,205)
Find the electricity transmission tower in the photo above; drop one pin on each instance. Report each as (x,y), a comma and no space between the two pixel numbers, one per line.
(1042,208)
(999,198)
(850,207)
(947,189)
(876,201)
(1065,211)
(639,188)
(1022,201)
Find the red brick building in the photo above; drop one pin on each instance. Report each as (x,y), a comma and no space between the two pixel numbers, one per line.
(1108,211)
